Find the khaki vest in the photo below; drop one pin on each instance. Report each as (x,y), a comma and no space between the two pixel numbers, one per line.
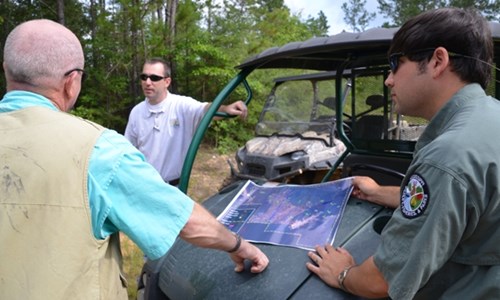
(47,248)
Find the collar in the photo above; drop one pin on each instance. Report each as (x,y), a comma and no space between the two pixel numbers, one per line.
(466,96)
(17,99)
(153,109)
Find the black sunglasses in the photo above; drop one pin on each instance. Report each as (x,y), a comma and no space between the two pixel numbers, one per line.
(153,78)
(395,57)
(84,75)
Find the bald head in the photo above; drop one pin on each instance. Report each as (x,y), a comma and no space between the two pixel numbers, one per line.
(38,52)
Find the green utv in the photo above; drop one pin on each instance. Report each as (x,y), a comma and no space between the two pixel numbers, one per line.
(332,120)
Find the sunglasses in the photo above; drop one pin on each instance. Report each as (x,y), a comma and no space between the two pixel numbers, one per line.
(153,78)
(84,75)
(395,57)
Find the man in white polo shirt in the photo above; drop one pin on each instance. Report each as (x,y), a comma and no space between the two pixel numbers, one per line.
(162,126)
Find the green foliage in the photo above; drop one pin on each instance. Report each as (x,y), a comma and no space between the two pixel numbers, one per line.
(489,8)
(319,26)
(398,11)
(229,134)
(224,136)
(356,16)
(208,39)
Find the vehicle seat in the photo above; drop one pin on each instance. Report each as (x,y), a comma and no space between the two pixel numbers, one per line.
(371,126)
(329,102)
(375,101)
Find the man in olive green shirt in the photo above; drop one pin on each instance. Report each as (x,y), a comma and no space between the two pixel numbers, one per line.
(443,239)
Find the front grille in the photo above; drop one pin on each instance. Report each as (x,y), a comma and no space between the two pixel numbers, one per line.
(256,170)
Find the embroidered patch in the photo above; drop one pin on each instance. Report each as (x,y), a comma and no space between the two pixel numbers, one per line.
(175,122)
(415,197)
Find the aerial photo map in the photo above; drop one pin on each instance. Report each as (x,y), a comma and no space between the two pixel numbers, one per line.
(300,216)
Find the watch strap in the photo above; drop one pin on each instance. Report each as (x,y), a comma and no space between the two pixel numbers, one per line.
(342,276)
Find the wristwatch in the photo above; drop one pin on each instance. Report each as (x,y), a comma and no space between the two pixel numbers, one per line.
(342,276)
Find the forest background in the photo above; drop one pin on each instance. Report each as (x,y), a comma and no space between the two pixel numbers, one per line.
(202,39)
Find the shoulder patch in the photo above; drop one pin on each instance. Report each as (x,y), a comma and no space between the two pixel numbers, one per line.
(415,197)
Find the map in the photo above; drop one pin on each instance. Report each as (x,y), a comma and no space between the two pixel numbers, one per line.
(300,216)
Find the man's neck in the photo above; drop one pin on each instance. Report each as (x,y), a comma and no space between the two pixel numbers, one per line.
(52,94)
(157,100)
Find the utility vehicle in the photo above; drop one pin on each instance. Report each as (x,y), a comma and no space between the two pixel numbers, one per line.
(296,139)
(377,142)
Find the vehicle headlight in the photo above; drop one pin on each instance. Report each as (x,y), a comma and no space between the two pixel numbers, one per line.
(297,155)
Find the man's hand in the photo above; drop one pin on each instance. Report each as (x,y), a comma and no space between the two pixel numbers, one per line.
(330,262)
(364,187)
(367,189)
(203,230)
(237,108)
(252,253)
(364,280)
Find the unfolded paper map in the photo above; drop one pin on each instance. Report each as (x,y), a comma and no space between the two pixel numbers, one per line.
(300,216)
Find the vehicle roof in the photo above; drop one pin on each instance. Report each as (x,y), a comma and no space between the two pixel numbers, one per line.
(326,75)
(365,49)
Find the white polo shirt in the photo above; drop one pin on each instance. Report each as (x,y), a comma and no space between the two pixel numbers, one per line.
(163,132)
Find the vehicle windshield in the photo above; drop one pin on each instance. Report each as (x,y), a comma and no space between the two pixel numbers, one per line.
(297,106)
(305,105)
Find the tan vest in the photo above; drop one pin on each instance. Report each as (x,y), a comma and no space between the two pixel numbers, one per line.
(47,248)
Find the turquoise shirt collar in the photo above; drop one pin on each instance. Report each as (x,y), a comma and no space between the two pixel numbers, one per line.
(16,100)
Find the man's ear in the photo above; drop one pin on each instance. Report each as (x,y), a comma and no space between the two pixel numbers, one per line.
(440,61)
(168,81)
(71,89)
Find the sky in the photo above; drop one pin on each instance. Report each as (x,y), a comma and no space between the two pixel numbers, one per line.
(332,10)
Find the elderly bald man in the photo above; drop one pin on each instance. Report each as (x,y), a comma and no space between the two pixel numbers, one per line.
(69,186)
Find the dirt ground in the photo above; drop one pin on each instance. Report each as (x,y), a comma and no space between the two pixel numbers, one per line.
(210,170)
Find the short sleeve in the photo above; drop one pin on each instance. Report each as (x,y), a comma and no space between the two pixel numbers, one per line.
(127,194)
(423,232)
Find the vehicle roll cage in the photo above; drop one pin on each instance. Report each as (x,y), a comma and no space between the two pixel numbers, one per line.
(338,53)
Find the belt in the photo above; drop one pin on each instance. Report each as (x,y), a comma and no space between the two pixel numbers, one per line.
(174,182)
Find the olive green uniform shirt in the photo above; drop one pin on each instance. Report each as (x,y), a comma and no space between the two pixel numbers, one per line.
(443,241)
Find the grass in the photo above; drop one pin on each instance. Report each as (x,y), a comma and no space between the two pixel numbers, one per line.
(133,260)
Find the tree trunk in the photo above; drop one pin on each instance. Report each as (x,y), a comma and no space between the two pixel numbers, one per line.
(60,12)
(170,13)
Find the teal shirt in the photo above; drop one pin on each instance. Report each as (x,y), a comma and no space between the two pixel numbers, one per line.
(125,192)
(443,241)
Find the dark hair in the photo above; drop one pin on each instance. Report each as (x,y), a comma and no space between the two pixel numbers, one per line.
(156,60)
(461,31)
